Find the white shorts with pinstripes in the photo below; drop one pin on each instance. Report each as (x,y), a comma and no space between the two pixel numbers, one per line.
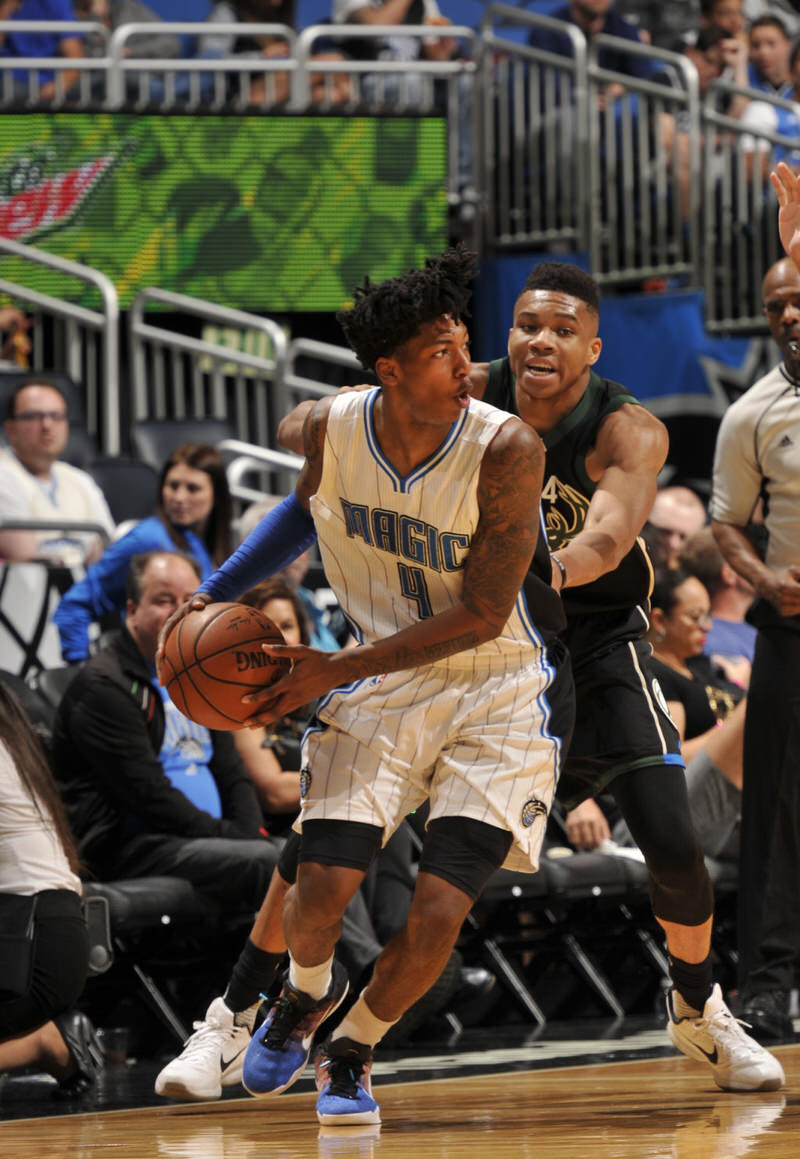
(477,745)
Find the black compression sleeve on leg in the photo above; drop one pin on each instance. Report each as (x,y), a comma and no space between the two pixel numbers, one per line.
(464,852)
(693,980)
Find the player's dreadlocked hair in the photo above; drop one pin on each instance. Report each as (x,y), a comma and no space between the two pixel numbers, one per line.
(568,279)
(386,315)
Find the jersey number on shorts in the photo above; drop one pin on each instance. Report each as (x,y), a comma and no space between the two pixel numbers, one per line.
(414,587)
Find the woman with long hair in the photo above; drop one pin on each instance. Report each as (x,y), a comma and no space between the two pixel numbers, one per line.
(193,515)
(44,950)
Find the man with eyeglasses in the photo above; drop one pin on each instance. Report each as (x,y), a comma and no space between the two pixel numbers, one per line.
(758,457)
(36,485)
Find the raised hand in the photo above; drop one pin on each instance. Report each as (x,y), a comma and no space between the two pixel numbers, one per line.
(787,186)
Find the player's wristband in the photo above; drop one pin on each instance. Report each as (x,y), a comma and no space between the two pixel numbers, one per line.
(554,559)
(283,534)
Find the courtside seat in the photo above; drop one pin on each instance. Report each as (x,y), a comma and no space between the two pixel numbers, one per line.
(134,922)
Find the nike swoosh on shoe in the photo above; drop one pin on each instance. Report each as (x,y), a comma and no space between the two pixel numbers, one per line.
(225,1066)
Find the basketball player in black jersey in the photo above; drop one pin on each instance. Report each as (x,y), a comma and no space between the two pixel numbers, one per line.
(603,455)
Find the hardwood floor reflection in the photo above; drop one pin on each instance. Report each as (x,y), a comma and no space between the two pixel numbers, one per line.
(652,1109)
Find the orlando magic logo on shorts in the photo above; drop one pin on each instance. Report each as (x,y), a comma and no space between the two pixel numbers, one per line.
(305,781)
(531,810)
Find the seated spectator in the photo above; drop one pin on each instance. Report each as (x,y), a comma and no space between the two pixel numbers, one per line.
(730,641)
(760,117)
(404,49)
(41,44)
(35,484)
(113,14)
(147,790)
(15,345)
(770,50)
(708,711)
(271,755)
(593,17)
(675,514)
(44,951)
(729,15)
(193,514)
(270,88)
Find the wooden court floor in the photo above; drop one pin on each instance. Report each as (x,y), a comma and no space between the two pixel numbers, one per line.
(648,1109)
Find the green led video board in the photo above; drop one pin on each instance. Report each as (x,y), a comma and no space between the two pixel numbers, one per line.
(257,212)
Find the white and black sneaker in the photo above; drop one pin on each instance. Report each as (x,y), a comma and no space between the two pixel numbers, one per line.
(212,1057)
(737,1061)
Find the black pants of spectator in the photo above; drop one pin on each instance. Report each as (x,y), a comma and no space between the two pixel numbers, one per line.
(231,873)
(769,863)
(58,971)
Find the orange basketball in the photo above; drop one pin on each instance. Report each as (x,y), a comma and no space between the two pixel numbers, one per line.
(214,658)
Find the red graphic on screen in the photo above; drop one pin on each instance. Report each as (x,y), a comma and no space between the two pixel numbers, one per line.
(51,203)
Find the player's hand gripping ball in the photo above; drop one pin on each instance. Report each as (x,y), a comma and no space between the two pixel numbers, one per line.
(213,658)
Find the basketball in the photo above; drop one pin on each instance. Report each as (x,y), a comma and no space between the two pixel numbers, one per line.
(213,658)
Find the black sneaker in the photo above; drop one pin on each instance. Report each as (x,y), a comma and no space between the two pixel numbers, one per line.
(78,1033)
(767,1014)
(343,1080)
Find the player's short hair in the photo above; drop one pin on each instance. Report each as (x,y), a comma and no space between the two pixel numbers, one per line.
(389,314)
(566,278)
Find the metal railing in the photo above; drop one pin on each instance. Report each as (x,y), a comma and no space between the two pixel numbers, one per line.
(176,375)
(90,338)
(535,145)
(276,471)
(741,238)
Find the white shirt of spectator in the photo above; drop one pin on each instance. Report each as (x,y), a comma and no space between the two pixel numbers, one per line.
(70,495)
(394,47)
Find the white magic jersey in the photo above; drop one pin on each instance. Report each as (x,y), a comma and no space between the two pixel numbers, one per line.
(394,548)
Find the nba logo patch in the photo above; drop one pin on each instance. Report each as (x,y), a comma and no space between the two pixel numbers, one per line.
(531,810)
(305,781)
(377,681)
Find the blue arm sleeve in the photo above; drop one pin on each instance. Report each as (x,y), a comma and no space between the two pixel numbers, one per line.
(283,534)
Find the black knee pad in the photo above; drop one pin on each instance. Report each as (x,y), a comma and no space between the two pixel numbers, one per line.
(352,844)
(464,852)
(684,893)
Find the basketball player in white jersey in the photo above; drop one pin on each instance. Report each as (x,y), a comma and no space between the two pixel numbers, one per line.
(425,504)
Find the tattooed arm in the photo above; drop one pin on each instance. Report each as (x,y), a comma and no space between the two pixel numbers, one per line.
(502,547)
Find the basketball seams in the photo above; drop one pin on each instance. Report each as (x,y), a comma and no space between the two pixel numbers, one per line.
(192,681)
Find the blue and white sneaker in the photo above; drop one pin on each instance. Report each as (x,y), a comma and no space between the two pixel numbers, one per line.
(343,1080)
(279,1050)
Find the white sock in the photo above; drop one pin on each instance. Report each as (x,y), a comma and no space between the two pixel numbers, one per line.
(311,980)
(361,1025)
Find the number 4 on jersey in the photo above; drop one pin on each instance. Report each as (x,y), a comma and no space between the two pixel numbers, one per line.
(414,587)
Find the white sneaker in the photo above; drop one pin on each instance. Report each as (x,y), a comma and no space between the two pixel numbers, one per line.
(212,1057)
(737,1061)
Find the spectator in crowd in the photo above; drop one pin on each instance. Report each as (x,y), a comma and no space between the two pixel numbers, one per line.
(676,513)
(730,16)
(262,87)
(703,704)
(15,345)
(271,755)
(770,49)
(35,484)
(760,117)
(730,641)
(44,950)
(758,449)
(147,790)
(41,44)
(593,17)
(193,514)
(113,14)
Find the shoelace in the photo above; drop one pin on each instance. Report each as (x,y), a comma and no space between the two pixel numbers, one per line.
(344,1075)
(732,1031)
(286,1015)
(205,1032)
